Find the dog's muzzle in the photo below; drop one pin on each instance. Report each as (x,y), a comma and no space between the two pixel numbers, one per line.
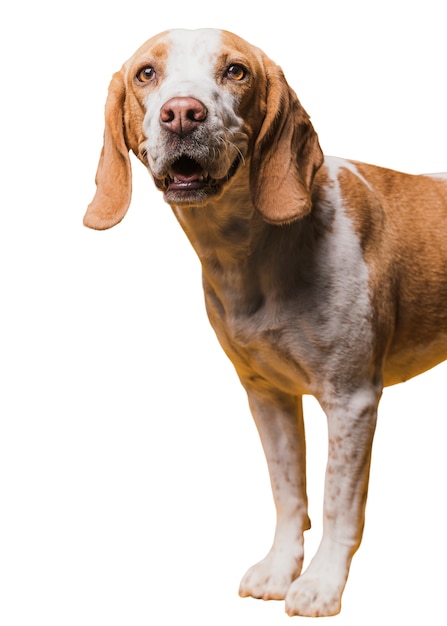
(197,161)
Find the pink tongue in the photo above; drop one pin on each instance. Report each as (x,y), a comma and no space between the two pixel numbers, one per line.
(187,181)
(187,178)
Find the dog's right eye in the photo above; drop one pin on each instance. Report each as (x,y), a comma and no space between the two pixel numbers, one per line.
(146,74)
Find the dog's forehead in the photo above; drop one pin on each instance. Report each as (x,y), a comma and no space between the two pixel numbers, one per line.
(202,43)
(191,51)
(179,48)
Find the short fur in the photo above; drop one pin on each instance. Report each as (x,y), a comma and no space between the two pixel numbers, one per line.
(321,276)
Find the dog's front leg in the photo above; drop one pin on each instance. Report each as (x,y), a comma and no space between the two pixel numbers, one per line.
(351,425)
(279,419)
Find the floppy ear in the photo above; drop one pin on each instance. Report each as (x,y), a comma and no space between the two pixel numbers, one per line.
(286,155)
(113,177)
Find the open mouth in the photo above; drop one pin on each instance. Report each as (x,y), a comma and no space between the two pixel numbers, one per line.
(188,181)
(186,174)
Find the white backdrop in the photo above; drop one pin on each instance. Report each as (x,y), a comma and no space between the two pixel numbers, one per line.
(133,489)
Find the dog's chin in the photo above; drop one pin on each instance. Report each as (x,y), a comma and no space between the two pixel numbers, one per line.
(189,193)
(188,183)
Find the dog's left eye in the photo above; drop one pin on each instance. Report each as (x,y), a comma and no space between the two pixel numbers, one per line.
(146,74)
(236,72)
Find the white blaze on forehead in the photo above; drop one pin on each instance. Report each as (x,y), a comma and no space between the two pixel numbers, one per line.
(190,66)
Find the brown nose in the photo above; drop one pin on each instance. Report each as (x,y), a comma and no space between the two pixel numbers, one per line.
(182,115)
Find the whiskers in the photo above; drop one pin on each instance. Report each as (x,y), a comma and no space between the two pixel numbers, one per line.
(231,144)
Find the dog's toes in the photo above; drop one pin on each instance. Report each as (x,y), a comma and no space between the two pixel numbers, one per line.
(270,579)
(311,597)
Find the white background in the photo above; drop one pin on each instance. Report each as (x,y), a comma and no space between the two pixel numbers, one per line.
(133,486)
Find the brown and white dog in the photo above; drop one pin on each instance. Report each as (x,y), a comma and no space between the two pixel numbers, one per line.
(322,276)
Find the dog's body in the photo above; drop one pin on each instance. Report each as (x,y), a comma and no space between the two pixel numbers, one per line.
(321,276)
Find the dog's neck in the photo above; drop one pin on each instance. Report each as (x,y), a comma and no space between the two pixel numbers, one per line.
(240,252)
(222,234)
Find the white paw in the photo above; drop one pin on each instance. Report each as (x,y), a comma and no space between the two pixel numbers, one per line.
(271,578)
(314,597)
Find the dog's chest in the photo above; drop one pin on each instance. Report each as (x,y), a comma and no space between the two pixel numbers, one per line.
(294,340)
(262,353)
(290,306)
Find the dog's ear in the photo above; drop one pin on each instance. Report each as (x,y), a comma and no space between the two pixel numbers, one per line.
(286,155)
(114,176)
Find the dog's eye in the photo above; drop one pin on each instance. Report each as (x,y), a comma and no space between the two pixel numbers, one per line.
(236,72)
(146,74)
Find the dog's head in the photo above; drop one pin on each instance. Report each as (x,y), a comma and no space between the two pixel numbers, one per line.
(200,109)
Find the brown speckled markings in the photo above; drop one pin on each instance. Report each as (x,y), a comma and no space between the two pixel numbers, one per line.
(321,276)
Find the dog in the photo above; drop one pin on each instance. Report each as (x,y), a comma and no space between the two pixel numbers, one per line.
(321,275)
